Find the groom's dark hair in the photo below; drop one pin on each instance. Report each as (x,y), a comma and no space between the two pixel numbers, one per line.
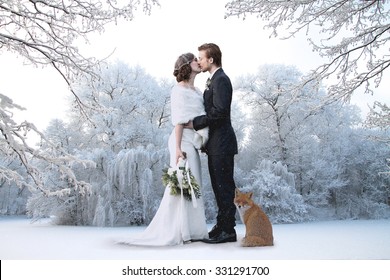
(212,51)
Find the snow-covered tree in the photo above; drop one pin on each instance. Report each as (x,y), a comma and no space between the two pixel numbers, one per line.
(320,145)
(126,138)
(12,199)
(278,114)
(352,35)
(133,106)
(131,194)
(36,162)
(367,191)
(270,95)
(379,118)
(274,189)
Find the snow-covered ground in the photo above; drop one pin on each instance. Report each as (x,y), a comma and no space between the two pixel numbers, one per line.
(329,240)
(337,240)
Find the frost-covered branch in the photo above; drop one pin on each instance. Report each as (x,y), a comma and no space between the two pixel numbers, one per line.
(13,145)
(379,118)
(352,35)
(45,32)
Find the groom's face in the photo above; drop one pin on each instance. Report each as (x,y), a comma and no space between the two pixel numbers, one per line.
(204,62)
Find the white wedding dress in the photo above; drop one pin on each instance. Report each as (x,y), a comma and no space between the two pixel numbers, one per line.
(178,220)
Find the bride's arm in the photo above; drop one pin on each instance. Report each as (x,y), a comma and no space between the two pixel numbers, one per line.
(179,134)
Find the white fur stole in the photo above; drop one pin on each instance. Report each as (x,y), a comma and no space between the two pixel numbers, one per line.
(186,104)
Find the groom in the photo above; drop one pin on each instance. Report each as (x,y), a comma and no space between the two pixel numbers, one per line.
(222,144)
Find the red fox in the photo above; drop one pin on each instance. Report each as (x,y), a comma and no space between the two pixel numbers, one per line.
(257,225)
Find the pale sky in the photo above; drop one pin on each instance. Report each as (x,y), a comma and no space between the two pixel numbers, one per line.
(154,42)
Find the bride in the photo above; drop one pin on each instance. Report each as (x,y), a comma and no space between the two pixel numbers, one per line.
(179,220)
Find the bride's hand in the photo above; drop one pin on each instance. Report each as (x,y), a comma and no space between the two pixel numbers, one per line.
(189,125)
(179,154)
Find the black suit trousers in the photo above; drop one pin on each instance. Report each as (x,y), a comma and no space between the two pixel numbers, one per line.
(221,169)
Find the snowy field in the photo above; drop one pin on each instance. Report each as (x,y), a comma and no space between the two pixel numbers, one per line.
(334,240)
(330,240)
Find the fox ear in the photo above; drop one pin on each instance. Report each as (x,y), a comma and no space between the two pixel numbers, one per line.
(250,194)
(237,191)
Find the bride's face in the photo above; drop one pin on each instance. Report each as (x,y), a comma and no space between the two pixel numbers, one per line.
(195,66)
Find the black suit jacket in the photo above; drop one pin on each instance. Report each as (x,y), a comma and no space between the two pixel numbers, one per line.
(217,101)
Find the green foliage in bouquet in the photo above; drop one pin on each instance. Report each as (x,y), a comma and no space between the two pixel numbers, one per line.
(170,180)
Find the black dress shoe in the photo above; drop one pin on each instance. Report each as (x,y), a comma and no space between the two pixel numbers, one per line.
(215,231)
(223,237)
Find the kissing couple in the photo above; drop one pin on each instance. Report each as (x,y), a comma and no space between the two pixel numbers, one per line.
(202,122)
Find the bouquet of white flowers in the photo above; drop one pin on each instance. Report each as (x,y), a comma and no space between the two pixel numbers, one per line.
(181,181)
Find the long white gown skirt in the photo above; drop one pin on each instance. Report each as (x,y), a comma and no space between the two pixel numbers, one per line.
(176,220)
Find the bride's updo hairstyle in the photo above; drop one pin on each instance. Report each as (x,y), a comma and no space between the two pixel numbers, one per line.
(182,67)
